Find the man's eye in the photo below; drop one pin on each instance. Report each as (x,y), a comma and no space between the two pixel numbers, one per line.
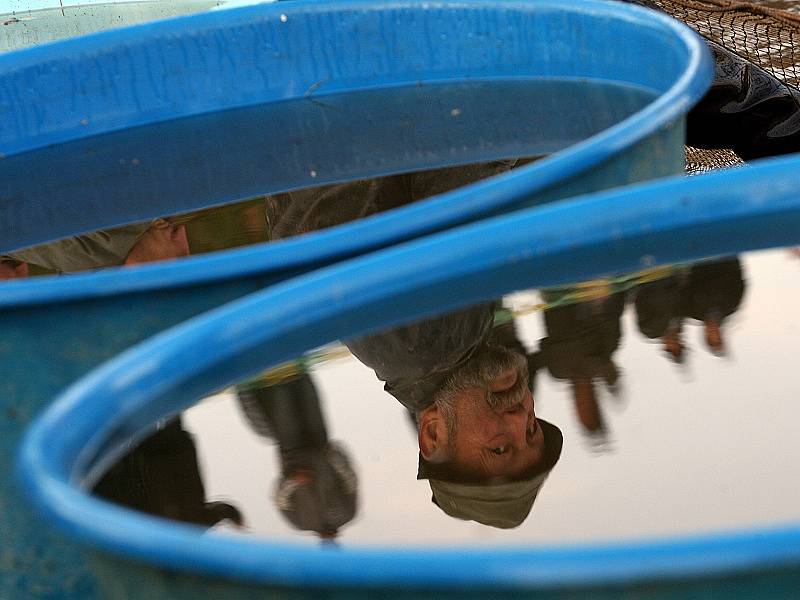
(499,450)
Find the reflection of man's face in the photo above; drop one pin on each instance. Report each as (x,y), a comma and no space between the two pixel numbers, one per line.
(490,429)
(13,270)
(163,241)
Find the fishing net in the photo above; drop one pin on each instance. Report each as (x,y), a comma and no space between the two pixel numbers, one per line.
(702,160)
(764,37)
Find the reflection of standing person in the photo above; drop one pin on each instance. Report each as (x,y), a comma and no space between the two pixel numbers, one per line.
(318,488)
(713,293)
(161,477)
(659,307)
(708,292)
(580,343)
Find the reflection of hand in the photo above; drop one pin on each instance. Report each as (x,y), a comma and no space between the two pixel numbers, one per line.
(673,341)
(8,270)
(713,336)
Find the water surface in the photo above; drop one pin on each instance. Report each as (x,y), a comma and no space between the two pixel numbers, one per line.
(654,443)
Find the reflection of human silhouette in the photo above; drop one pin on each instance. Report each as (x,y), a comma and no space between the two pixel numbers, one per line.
(161,477)
(715,291)
(307,210)
(658,313)
(482,449)
(708,292)
(13,269)
(129,245)
(580,343)
(318,488)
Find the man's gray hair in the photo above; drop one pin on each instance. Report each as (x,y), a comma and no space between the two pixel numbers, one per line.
(487,363)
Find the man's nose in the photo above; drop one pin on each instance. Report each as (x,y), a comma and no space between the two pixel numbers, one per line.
(180,240)
(515,421)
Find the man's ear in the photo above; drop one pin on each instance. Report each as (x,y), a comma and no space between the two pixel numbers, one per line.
(433,441)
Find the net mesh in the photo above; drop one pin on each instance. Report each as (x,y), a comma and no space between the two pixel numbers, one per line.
(758,32)
(701,160)
(766,33)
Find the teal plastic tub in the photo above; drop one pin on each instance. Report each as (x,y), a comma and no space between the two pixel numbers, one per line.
(181,114)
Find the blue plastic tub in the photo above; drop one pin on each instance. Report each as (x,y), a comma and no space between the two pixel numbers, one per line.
(152,92)
(664,222)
